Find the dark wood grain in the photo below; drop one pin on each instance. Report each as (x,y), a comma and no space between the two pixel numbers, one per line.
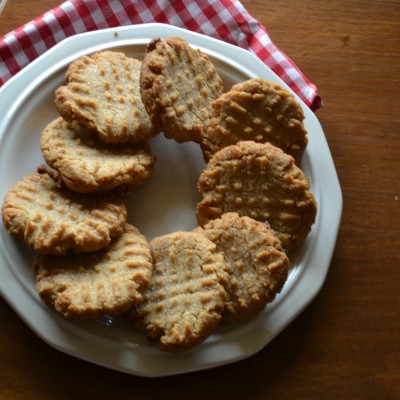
(346,344)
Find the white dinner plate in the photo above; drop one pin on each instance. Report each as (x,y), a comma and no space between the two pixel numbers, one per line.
(163,204)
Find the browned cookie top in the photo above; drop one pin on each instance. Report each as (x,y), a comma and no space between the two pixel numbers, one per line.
(103,94)
(256,110)
(178,84)
(54,220)
(185,301)
(260,181)
(108,281)
(89,165)
(255,262)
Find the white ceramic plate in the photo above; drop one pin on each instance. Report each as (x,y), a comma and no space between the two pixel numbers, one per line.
(163,204)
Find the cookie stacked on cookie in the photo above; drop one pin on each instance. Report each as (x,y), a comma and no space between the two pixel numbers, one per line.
(256,201)
(82,244)
(100,142)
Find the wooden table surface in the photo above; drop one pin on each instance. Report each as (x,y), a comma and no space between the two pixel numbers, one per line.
(346,344)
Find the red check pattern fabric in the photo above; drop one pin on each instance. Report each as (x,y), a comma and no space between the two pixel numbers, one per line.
(226,20)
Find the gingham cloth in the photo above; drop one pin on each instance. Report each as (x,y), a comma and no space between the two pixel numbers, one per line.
(226,20)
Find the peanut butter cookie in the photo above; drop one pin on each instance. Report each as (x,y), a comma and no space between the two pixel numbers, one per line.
(178,84)
(186,298)
(255,262)
(103,94)
(54,220)
(258,180)
(256,110)
(109,281)
(88,165)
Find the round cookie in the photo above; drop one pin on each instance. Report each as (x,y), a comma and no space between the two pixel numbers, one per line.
(186,298)
(178,84)
(254,260)
(54,220)
(256,110)
(258,180)
(109,281)
(103,94)
(89,165)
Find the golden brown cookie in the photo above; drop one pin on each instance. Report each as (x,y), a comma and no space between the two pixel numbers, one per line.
(103,94)
(109,281)
(256,110)
(255,262)
(178,84)
(89,165)
(186,298)
(261,181)
(54,220)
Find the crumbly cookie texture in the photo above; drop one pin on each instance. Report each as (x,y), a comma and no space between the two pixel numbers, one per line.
(258,180)
(109,281)
(88,165)
(178,84)
(54,220)
(256,264)
(256,110)
(103,94)
(186,298)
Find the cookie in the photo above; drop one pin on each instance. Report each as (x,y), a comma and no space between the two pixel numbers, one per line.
(255,262)
(186,298)
(54,220)
(178,84)
(109,281)
(258,180)
(88,165)
(256,110)
(103,94)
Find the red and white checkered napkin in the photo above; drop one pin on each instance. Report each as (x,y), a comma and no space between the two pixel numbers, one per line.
(226,20)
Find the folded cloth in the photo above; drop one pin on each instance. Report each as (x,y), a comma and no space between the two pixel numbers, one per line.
(226,20)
